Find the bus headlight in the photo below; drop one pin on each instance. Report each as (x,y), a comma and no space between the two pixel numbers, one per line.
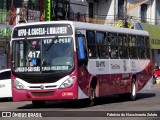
(19,85)
(67,83)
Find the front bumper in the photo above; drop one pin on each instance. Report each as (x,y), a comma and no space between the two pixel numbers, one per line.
(56,94)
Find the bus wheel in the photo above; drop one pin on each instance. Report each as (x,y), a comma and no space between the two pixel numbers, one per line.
(38,104)
(92,96)
(133,90)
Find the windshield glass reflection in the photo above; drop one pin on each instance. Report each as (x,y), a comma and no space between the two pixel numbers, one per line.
(43,55)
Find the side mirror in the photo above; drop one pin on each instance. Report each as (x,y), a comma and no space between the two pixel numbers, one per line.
(81,49)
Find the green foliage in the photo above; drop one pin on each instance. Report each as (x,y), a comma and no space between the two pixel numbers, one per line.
(47,10)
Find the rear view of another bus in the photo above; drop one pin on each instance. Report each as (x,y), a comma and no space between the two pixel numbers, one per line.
(5,83)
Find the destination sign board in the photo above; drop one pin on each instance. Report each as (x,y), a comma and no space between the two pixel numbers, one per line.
(42,30)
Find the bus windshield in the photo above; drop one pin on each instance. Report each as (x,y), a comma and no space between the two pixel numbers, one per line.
(43,55)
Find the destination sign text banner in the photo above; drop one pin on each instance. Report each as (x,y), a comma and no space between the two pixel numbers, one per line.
(42,30)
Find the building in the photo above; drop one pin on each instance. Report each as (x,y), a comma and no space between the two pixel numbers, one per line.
(96,11)
(111,12)
(5,32)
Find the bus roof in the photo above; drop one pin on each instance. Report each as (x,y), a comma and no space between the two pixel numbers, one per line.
(91,26)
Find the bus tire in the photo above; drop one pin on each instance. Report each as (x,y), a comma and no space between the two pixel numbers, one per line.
(92,96)
(132,95)
(38,104)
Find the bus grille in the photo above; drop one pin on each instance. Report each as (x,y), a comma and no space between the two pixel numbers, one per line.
(42,80)
(42,94)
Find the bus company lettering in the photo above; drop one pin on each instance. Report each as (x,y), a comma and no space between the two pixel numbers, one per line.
(100,63)
(155,41)
(125,75)
(57,30)
(22,32)
(133,66)
(48,68)
(27,69)
(2,85)
(42,31)
(36,31)
(115,66)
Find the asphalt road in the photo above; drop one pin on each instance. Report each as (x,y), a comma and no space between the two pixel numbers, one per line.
(110,107)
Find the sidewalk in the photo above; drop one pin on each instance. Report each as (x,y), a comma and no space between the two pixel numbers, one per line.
(148,85)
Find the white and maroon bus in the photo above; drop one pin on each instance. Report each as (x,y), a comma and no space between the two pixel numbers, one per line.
(64,60)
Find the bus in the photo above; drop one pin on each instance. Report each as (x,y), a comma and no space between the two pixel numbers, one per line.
(66,60)
(5,84)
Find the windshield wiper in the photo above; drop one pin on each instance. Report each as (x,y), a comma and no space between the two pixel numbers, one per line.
(46,49)
(29,44)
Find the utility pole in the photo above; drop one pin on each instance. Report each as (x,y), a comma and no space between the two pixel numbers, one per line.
(24,12)
(125,14)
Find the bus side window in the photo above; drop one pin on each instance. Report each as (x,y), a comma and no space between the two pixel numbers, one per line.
(91,44)
(123,46)
(141,47)
(81,45)
(5,75)
(132,41)
(147,47)
(132,47)
(113,52)
(81,49)
(102,44)
(113,48)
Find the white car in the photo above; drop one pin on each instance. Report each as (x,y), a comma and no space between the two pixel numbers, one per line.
(5,83)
